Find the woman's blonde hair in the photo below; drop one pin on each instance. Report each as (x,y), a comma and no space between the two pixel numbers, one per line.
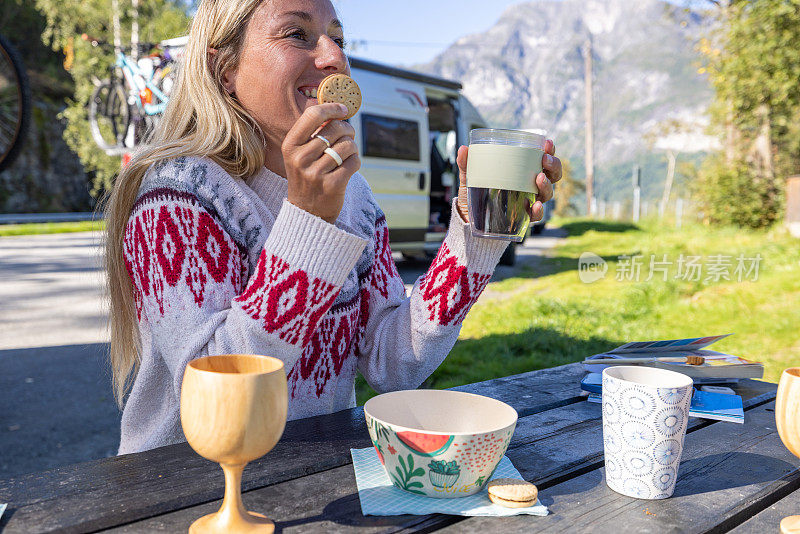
(201,119)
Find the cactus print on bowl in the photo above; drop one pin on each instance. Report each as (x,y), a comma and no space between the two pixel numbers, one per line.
(443,474)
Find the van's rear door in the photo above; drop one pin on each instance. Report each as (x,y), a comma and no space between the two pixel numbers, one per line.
(392,135)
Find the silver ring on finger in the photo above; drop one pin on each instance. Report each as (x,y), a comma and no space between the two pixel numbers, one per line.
(335,155)
(323,140)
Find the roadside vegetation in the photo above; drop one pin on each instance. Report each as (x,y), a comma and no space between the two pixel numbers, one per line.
(50,228)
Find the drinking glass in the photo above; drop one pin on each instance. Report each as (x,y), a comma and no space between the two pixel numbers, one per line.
(233,410)
(787,419)
(501,181)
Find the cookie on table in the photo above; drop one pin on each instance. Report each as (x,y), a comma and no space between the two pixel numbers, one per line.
(342,89)
(512,492)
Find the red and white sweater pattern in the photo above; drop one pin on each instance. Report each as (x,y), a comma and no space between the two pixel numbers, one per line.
(223,266)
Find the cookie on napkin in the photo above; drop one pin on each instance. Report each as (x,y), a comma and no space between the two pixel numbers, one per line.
(512,493)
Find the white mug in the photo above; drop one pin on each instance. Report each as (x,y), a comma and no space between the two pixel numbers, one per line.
(645,415)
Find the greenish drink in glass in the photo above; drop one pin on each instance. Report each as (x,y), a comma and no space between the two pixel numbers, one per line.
(502,166)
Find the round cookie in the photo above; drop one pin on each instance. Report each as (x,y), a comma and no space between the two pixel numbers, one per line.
(512,493)
(340,88)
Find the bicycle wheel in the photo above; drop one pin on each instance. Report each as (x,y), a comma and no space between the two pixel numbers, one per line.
(15,104)
(109,116)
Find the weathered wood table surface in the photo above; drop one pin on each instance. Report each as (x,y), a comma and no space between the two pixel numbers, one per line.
(732,477)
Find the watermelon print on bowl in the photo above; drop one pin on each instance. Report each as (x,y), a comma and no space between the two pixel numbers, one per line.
(439,443)
(425,444)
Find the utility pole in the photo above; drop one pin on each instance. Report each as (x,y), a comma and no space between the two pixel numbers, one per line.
(589,117)
(637,191)
(668,183)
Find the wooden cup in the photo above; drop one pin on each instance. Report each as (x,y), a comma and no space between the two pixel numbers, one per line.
(233,410)
(787,419)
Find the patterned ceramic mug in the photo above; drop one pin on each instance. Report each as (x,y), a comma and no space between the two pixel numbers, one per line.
(645,415)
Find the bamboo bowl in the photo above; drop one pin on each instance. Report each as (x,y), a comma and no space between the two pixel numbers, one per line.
(439,443)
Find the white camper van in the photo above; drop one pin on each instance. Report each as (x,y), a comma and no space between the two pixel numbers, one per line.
(408,129)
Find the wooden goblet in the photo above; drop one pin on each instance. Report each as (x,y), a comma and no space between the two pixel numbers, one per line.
(787,419)
(233,410)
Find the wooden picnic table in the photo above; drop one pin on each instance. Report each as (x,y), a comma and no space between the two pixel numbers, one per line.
(732,477)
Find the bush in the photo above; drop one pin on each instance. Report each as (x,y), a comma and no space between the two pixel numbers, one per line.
(736,195)
(66,20)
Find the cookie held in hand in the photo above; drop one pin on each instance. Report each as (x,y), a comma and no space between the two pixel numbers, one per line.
(342,89)
(512,493)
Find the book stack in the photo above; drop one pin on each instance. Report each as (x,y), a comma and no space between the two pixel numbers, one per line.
(717,368)
(705,404)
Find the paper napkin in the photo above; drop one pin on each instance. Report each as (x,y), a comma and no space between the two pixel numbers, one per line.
(379,497)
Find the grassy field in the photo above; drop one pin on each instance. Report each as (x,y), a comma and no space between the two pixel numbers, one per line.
(550,317)
(50,228)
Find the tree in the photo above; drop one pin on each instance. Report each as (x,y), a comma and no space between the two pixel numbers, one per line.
(755,76)
(758,74)
(659,131)
(67,20)
(19,20)
(567,188)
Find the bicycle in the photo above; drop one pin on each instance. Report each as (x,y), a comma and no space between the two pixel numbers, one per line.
(15,103)
(124,109)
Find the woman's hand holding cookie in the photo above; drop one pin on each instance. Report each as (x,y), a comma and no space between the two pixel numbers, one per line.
(317,182)
(551,173)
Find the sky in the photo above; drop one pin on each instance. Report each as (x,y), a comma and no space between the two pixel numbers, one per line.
(405,32)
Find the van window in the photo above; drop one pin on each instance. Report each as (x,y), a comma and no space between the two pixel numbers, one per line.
(388,137)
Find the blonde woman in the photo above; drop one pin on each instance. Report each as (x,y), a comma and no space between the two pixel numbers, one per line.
(234,231)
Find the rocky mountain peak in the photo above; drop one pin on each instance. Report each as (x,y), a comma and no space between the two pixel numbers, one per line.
(526,71)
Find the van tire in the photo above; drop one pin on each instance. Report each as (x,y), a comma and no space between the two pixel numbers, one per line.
(537,229)
(509,257)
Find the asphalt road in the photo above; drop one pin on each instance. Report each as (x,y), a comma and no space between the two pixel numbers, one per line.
(50,290)
(56,406)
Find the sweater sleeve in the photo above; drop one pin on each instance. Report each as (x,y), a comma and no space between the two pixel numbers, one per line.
(404,339)
(190,296)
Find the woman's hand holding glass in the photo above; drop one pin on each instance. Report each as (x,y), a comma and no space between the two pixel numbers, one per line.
(317,181)
(551,173)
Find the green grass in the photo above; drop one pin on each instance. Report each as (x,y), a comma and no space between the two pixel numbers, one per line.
(549,317)
(50,228)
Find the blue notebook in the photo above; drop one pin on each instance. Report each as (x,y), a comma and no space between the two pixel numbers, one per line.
(705,404)
(593,383)
(719,406)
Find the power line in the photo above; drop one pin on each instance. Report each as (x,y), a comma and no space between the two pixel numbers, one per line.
(355,43)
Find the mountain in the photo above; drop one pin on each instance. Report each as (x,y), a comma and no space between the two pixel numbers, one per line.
(527,71)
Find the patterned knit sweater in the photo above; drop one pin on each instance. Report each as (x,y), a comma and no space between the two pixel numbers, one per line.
(220,265)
